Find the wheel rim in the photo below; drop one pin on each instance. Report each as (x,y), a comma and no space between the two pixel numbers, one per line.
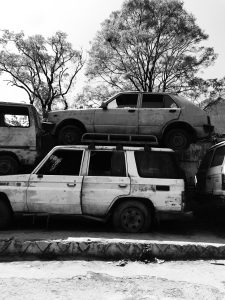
(178,141)
(70,137)
(132,219)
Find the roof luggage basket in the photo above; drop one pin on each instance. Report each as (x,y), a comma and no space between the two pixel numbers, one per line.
(119,139)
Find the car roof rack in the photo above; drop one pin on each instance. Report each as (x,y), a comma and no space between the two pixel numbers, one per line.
(119,139)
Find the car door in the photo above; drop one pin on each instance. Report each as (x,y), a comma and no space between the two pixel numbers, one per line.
(214,173)
(120,115)
(156,110)
(106,180)
(56,186)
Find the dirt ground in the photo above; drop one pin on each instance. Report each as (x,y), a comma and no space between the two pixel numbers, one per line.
(112,280)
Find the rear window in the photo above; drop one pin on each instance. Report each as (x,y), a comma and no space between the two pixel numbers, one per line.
(157,165)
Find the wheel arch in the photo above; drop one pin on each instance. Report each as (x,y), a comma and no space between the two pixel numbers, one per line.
(69,122)
(120,200)
(181,125)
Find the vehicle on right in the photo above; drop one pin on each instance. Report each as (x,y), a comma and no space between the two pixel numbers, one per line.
(210,179)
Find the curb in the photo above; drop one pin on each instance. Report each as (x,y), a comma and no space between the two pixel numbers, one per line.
(108,249)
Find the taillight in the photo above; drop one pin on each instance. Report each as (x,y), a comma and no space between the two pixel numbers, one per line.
(223,181)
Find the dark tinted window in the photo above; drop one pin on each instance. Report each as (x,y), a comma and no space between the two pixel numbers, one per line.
(218,157)
(152,101)
(123,101)
(107,163)
(62,162)
(168,102)
(157,165)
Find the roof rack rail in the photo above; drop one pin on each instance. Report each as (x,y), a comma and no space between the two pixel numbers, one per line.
(119,139)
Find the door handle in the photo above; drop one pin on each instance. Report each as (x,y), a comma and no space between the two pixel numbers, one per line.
(71,184)
(131,110)
(122,185)
(172,110)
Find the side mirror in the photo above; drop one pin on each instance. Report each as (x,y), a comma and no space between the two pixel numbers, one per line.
(103,105)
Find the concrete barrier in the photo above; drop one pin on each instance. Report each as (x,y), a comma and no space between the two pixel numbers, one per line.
(108,249)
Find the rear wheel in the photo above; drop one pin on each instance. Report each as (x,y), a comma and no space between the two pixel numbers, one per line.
(132,216)
(5,215)
(69,135)
(177,139)
(8,165)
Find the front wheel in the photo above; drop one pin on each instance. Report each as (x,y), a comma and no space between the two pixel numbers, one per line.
(69,135)
(8,165)
(132,216)
(177,139)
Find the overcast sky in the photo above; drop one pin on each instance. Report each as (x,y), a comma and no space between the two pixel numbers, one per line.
(81,19)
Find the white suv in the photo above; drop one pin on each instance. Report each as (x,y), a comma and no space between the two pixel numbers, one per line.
(130,185)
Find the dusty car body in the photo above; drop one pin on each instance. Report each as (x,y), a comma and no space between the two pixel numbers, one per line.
(174,120)
(131,186)
(21,136)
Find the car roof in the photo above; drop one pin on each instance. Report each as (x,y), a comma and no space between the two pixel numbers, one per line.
(102,147)
(15,103)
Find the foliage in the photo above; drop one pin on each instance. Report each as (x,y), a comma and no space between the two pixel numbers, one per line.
(212,90)
(92,96)
(149,45)
(43,67)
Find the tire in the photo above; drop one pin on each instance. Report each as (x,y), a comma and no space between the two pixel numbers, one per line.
(69,135)
(177,139)
(6,215)
(8,165)
(132,216)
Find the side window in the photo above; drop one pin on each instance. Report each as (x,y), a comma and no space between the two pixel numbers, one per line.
(169,103)
(218,157)
(206,161)
(152,101)
(14,116)
(124,101)
(107,163)
(63,162)
(157,165)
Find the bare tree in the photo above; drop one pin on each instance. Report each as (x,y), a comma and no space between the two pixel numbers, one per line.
(45,68)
